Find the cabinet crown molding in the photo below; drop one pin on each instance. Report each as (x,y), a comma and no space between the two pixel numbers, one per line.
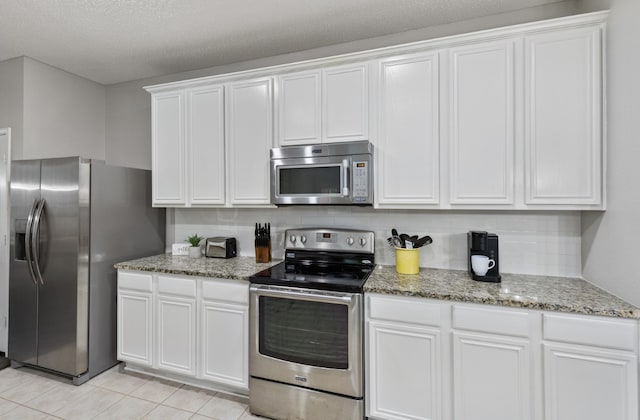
(586,19)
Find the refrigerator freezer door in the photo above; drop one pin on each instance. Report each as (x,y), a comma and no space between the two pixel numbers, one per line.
(23,291)
(63,262)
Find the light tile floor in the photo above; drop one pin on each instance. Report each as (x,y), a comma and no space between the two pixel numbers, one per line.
(27,393)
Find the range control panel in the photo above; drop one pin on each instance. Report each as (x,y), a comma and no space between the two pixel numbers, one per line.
(319,239)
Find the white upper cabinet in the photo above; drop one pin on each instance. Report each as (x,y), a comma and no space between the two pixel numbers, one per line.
(168,149)
(249,141)
(205,145)
(408,141)
(563,117)
(299,108)
(188,147)
(507,118)
(345,97)
(323,106)
(481,123)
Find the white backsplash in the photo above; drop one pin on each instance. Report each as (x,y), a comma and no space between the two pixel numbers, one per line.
(543,243)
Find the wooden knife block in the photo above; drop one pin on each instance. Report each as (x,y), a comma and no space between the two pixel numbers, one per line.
(263,253)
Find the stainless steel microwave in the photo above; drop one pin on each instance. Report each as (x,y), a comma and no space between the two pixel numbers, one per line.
(336,174)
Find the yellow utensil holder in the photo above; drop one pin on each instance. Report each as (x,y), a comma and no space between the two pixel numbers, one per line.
(407,260)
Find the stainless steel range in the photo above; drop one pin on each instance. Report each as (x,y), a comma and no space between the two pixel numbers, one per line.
(306,327)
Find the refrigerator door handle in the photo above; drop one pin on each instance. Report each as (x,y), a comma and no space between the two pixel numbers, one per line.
(27,240)
(35,241)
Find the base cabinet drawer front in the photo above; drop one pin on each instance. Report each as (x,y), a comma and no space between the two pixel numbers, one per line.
(135,327)
(228,291)
(176,323)
(224,344)
(491,378)
(135,281)
(490,320)
(592,331)
(405,372)
(589,384)
(177,285)
(409,310)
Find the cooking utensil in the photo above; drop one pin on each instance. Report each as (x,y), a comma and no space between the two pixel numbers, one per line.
(394,242)
(425,240)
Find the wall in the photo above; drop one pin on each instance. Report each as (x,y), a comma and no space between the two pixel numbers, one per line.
(64,114)
(610,245)
(545,243)
(11,100)
(128,135)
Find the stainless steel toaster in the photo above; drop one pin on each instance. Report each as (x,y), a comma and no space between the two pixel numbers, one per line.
(221,247)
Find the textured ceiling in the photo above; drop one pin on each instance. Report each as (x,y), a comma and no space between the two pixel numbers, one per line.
(111,41)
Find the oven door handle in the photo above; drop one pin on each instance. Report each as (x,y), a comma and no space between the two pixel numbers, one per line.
(315,297)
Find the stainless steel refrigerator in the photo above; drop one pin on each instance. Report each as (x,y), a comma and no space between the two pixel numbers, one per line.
(71,220)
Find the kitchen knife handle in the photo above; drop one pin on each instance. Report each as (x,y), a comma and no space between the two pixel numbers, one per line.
(27,240)
(35,241)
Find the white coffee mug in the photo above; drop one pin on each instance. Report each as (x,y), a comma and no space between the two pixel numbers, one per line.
(481,264)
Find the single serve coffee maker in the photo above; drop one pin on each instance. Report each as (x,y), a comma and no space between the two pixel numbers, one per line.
(483,256)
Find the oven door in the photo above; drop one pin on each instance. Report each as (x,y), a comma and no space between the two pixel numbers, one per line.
(308,338)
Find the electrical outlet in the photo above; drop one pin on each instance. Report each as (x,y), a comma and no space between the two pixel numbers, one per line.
(180,249)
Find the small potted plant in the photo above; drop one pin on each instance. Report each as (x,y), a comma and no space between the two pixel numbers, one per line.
(194,240)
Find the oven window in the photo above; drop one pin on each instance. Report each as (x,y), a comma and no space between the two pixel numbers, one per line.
(310,180)
(310,333)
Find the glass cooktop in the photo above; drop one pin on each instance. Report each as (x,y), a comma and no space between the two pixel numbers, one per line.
(325,276)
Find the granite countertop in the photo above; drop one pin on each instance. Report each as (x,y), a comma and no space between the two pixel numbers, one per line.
(560,294)
(238,268)
(516,290)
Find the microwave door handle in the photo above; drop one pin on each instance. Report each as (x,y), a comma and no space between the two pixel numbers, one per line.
(27,240)
(345,177)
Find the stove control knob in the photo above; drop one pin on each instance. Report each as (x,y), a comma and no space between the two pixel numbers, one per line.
(292,239)
(350,241)
(303,239)
(363,241)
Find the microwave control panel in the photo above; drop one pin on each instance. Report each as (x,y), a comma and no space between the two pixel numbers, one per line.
(360,181)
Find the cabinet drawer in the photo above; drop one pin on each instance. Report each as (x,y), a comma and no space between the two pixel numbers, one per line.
(621,334)
(489,320)
(135,281)
(229,291)
(405,309)
(177,286)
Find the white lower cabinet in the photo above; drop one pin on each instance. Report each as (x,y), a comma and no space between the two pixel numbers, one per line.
(406,386)
(404,358)
(224,329)
(135,317)
(590,384)
(590,368)
(428,359)
(492,360)
(491,377)
(194,327)
(134,334)
(176,334)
